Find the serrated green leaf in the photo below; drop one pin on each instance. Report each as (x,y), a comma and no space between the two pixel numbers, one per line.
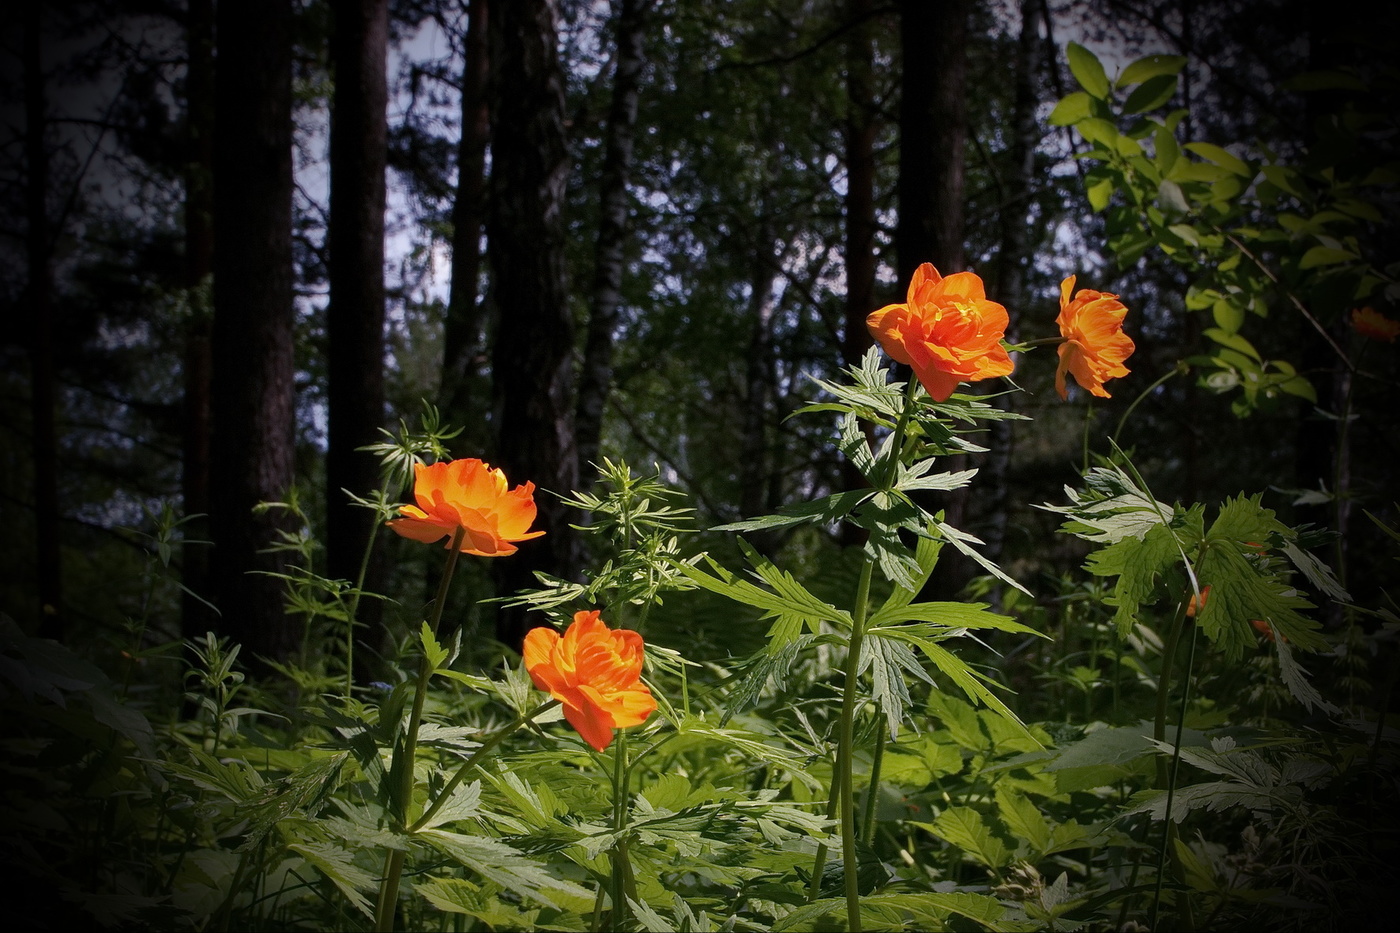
(1023,818)
(337,865)
(964,828)
(1137,563)
(503,865)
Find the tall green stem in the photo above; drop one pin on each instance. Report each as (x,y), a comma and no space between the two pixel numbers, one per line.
(407,751)
(354,606)
(1169,833)
(623,884)
(1178,369)
(846,747)
(867,824)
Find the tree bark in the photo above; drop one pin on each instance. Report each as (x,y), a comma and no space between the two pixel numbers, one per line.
(595,381)
(253,402)
(1012,259)
(355,322)
(862,125)
(532,358)
(195,616)
(38,242)
(932,135)
(463,337)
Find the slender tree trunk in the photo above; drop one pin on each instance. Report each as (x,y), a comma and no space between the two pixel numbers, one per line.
(195,617)
(1013,258)
(932,135)
(595,379)
(862,125)
(532,360)
(253,403)
(463,337)
(355,323)
(40,310)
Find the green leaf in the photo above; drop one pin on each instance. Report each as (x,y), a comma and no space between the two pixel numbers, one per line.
(889,660)
(964,828)
(1100,193)
(1087,70)
(827,509)
(1098,131)
(1222,157)
(1325,256)
(337,864)
(1151,94)
(1137,564)
(499,863)
(1152,66)
(1228,316)
(1023,818)
(1170,197)
(1071,109)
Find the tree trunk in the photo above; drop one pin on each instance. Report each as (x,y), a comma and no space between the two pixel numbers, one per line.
(595,380)
(355,322)
(1012,260)
(195,616)
(253,402)
(862,125)
(932,134)
(38,242)
(532,359)
(755,456)
(463,335)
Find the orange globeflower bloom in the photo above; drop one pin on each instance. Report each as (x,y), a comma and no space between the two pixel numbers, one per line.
(1369,322)
(595,672)
(1095,345)
(947,331)
(470,495)
(1267,630)
(1191,607)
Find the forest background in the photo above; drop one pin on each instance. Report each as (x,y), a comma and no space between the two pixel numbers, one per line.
(241,240)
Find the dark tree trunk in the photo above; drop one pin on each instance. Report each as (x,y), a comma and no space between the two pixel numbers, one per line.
(39,307)
(532,358)
(1012,260)
(932,134)
(355,323)
(756,460)
(253,402)
(195,616)
(463,336)
(862,125)
(595,380)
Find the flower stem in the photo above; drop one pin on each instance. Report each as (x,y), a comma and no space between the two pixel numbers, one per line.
(404,754)
(867,825)
(846,749)
(1177,370)
(476,756)
(622,882)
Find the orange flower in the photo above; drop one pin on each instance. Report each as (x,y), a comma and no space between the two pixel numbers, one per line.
(595,672)
(1265,629)
(1095,345)
(947,331)
(1369,322)
(1191,607)
(470,495)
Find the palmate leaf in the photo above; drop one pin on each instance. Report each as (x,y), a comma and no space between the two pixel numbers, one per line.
(773,664)
(460,896)
(963,542)
(1137,563)
(788,597)
(1111,507)
(955,669)
(888,661)
(826,510)
(503,865)
(337,865)
(963,827)
(949,616)
(927,911)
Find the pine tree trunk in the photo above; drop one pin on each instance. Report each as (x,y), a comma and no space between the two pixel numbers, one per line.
(932,134)
(1012,260)
(463,337)
(595,378)
(195,616)
(355,322)
(39,307)
(532,358)
(253,401)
